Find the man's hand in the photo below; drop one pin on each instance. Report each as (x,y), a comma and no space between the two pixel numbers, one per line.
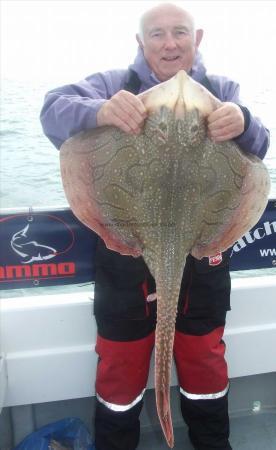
(125,111)
(227,122)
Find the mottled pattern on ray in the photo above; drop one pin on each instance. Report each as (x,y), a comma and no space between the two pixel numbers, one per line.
(163,194)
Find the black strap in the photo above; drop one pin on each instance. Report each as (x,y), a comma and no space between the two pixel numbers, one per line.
(133,82)
(206,83)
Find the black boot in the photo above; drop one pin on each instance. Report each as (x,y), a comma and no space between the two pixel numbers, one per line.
(208,422)
(117,430)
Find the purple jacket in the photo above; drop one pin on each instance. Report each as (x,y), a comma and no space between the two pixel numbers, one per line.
(72,108)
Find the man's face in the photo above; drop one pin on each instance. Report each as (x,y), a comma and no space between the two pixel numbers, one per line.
(169,41)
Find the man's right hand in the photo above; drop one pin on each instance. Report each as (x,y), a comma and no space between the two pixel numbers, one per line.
(125,111)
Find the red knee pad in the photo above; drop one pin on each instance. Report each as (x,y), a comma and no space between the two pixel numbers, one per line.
(123,368)
(200,362)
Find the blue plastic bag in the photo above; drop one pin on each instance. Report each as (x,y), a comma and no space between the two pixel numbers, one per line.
(69,433)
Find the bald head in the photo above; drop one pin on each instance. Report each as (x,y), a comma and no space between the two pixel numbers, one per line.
(168,39)
(162,10)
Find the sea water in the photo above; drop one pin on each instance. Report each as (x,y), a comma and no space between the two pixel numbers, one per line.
(30,173)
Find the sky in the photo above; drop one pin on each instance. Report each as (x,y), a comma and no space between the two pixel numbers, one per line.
(68,39)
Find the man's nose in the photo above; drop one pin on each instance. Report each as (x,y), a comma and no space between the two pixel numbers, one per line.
(170,41)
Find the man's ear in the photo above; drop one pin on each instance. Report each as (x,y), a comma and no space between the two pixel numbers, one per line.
(138,39)
(198,37)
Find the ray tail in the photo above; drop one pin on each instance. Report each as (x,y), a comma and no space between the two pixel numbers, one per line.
(168,287)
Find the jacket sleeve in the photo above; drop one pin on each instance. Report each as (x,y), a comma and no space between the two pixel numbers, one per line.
(73,108)
(255,138)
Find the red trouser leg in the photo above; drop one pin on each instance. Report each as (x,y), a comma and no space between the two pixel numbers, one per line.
(203,379)
(121,379)
(200,363)
(122,371)
(126,325)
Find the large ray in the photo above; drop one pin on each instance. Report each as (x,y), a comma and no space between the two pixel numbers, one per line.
(163,194)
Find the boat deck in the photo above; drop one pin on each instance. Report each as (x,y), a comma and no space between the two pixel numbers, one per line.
(254,432)
(252,406)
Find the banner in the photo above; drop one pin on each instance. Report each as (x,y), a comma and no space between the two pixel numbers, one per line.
(257,248)
(44,248)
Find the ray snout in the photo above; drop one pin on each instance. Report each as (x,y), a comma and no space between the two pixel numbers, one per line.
(180,94)
(164,94)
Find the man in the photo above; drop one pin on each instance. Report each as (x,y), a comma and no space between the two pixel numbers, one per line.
(125,317)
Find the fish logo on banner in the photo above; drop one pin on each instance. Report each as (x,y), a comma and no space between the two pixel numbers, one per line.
(30,250)
(37,247)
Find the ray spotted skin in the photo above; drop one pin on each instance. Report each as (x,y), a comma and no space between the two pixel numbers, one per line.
(162,194)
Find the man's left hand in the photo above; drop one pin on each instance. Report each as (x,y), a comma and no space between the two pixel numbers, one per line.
(227,122)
